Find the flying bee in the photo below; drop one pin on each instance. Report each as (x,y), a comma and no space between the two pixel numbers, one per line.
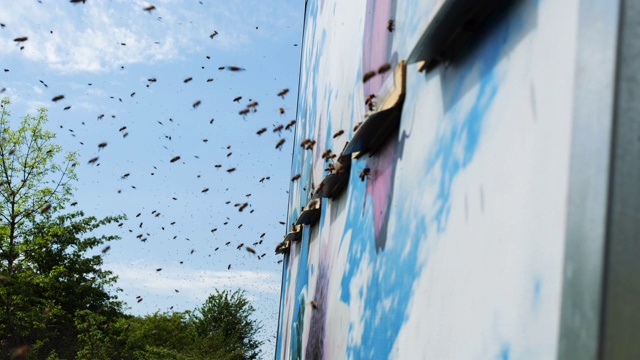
(357,126)
(205,190)
(365,173)
(237,99)
(100,116)
(105,249)
(295,177)
(252,105)
(368,75)
(281,111)
(213,34)
(278,128)
(123,128)
(283,92)
(174,159)
(243,206)
(67,108)
(326,154)
(149,8)
(93,160)
(218,165)
(102,145)
(57,98)
(209,79)
(290,125)
(229,154)
(250,249)
(152,80)
(74,203)
(21,39)
(313,305)
(187,80)
(280,261)
(235,68)
(125,176)
(243,112)
(229,267)
(259,132)
(390,25)
(230,170)
(304,142)
(196,104)
(279,144)
(384,68)
(338,133)
(45,208)
(239,246)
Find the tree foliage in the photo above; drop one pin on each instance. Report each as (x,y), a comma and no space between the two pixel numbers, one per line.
(56,301)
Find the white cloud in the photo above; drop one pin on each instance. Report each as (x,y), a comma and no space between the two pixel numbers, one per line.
(88,37)
(194,284)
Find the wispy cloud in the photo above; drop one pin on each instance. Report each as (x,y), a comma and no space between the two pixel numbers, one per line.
(89,37)
(195,284)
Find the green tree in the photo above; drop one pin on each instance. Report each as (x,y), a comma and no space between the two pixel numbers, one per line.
(225,320)
(46,274)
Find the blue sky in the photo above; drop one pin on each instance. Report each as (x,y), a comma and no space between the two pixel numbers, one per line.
(116,47)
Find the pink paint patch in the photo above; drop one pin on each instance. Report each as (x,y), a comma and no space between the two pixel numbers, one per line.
(380,182)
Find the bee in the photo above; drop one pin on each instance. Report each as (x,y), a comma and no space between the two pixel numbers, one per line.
(237,99)
(100,116)
(368,75)
(125,135)
(196,104)
(205,190)
(133,94)
(243,206)
(250,249)
(239,246)
(326,154)
(21,39)
(281,111)
(78,1)
(283,92)
(213,34)
(314,305)
(365,173)
(295,177)
(105,249)
(74,203)
(243,112)
(357,126)
(45,208)
(174,159)
(218,166)
(280,261)
(390,25)
(67,108)
(149,8)
(384,68)
(290,125)
(139,299)
(102,145)
(187,80)
(279,144)
(259,132)
(230,170)
(211,121)
(209,79)
(159,269)
(125,176)
(93,160)
(252,105)
(123,128)
(20,352)
(278,128)
(57,98)
(229,267)
(310,145)
(304,142)
(214,230)
(235,68)
(152,80)
(338,133)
